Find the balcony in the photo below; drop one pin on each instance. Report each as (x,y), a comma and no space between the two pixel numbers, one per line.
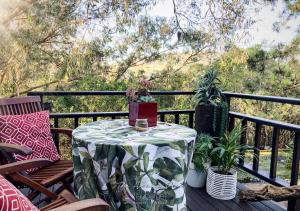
(256,168)
(265,167)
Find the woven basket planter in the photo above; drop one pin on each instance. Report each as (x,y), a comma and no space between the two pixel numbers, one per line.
(221,186)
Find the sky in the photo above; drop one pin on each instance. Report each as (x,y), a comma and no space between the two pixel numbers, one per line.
(261,32)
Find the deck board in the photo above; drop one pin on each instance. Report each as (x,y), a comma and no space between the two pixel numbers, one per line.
(198,199)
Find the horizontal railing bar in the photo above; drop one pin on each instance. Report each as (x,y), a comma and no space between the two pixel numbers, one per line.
(276,99)
(109,114)
(86,93)
(263,175)
(268,122)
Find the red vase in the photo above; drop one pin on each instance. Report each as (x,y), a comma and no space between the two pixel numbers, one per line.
(143,111)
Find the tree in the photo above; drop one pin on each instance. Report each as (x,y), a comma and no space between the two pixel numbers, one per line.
(52,41)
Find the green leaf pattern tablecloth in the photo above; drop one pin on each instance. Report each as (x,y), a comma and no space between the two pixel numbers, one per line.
(132,170)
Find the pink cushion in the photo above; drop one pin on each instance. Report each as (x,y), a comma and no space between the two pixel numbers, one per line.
(12,199)
(31,130)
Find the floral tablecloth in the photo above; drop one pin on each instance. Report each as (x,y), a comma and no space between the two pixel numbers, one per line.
(132,170)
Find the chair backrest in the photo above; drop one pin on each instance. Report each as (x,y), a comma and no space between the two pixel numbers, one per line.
(20,105)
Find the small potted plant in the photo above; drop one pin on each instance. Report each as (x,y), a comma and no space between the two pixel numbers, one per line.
(222,179)
(197,173)
(211,112)
(141,104)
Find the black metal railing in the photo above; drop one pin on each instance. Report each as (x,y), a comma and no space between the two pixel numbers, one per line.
(277,126)
(114,115)
(244,120)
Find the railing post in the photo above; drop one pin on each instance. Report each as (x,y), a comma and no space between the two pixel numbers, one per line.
(56,135)
(176,118)
(295,169)
(231,123)
(42,101)
(76,122)
(295,162)
(228,102)
(162,117)
(256,147)
(274,153)
(243,140)
(191,120)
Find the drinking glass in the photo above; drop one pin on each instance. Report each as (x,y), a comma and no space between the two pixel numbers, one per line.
(141,124)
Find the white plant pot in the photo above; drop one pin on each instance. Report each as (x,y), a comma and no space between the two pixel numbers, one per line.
(221,186)
(196,178)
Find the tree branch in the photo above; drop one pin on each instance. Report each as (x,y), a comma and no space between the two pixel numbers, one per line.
(176,16)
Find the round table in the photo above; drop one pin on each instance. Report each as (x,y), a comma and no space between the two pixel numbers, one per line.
(132,170)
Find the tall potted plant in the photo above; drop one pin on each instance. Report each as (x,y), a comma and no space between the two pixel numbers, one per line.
(197,173)
(141,104)
(211,112)
(222,179)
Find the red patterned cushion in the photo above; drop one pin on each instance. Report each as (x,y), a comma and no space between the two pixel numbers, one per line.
(31,130)
(12,199)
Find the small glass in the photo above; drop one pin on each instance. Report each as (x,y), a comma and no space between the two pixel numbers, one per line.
(141,124)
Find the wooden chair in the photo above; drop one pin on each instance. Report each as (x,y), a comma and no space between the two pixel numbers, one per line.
(65,201)
(51,172)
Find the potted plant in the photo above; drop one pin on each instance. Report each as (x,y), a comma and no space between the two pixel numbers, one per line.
(211,112)
(197,173)
(141,104)
(222,179)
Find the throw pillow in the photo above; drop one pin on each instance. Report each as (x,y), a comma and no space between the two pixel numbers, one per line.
(31,130)
(12,199)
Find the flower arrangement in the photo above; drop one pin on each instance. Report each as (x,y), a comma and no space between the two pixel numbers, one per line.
(141,94)
(141,104)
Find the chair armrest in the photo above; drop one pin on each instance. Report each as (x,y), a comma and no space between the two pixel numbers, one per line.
(88,204)
(14,148)
(23,165)
(65,131)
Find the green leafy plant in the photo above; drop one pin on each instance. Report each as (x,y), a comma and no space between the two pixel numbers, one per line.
(203,148)
(228,151)
(208,90)
(209,94)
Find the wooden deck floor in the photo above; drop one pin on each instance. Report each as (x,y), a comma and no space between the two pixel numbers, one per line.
(198,199)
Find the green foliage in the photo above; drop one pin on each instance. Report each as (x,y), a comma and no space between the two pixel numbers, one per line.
(203,147)
(227,150)
(208,90)
(256,59)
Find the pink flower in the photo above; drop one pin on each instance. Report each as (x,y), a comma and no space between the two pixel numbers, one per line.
(131,94)
(145,83)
